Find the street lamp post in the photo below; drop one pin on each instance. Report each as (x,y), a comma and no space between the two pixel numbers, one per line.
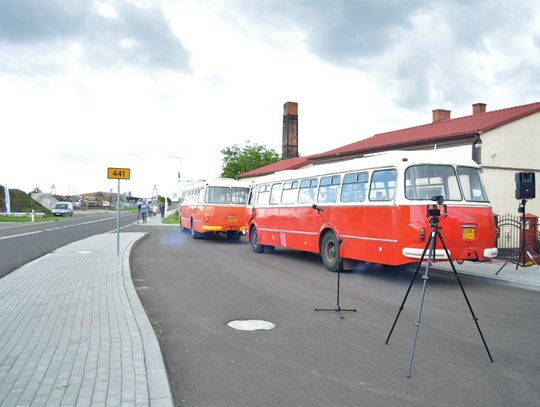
(175,157)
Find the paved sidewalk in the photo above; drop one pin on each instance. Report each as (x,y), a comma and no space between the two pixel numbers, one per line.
(524,277)
(73,331)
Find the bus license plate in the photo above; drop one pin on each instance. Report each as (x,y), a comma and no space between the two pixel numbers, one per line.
(231,219)
(468,233)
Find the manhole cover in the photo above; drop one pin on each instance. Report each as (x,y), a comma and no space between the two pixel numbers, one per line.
(85,251)
(251,325)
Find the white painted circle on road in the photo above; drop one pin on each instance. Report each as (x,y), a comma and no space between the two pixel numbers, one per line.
(251,325)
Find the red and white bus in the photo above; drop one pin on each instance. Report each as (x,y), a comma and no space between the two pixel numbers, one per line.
(217,206)
(376,205)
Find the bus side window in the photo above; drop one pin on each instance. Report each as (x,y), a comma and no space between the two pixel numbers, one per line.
(329,189)
(308,189)
(263,195)
(200,195)
(383,185)
(354,187)
(275,194)
(290,191)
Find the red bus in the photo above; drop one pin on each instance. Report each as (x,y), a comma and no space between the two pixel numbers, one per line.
(217,206)
(376,205)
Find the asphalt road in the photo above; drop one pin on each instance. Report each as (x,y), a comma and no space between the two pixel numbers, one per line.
(24,242)
(192,289)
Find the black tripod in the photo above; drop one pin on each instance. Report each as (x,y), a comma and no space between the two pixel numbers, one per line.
(524,248)
(337,308)
(434,213)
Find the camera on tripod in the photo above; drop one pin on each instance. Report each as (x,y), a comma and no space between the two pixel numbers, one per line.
(433,210)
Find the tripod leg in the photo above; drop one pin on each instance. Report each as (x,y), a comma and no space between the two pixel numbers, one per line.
(338,307)
(505,263)
(509,260)
(529,250)
(410,286)
(431,257)
(458,278)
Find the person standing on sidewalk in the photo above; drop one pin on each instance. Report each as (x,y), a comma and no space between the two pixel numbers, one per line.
(144,211)
(139,203)
(162,209)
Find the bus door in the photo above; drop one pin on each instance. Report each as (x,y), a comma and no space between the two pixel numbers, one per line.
(249,204)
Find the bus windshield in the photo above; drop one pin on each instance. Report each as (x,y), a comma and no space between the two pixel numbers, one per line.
(226,195)
(422,182)
(471,184)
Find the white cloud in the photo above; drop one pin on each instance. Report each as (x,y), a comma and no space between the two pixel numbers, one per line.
(107,10)
(129,84)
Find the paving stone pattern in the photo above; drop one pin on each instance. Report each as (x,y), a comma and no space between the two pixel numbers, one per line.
(73,331)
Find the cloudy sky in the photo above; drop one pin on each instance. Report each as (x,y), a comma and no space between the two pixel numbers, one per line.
(86,85)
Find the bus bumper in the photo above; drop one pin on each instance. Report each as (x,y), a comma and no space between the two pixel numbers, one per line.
(415,253)
(491,253)
(212,228)
(467,254)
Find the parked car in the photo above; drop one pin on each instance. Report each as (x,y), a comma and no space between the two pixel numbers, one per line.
(63,208)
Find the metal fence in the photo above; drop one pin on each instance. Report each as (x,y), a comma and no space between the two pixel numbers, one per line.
(510,235)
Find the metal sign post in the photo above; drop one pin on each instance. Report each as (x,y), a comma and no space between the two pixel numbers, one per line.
(118,173)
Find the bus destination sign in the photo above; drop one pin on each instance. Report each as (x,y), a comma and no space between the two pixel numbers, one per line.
(118,173)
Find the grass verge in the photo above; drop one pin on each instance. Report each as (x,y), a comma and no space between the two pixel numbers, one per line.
(25,219)
(172,219)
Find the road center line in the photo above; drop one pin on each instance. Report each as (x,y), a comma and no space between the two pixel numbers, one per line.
(21,234)
(56,228)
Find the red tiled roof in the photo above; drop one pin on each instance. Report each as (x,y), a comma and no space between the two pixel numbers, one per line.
(290,164)
(447,130)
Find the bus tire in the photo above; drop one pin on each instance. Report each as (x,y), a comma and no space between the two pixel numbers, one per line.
(254,241)
(194,233)
(330,251)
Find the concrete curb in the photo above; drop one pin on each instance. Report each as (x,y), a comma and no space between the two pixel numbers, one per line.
(158,381)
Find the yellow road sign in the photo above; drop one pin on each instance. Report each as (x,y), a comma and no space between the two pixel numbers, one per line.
(118,173)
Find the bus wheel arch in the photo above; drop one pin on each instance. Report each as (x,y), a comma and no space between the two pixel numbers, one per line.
(194,233)
(329,250)
(254,240)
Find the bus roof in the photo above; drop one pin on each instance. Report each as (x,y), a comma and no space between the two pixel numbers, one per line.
(218,182)
(399,159)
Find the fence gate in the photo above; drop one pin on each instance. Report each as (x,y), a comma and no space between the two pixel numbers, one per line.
(509,236)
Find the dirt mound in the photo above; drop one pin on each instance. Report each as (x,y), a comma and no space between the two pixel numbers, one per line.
(20,201)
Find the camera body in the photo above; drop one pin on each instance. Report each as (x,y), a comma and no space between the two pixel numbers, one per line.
(433,210)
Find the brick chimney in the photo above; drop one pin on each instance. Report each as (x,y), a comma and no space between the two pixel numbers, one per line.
(290,131)
(478,108)
(440,115)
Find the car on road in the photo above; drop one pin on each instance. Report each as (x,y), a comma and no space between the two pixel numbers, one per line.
(63,209)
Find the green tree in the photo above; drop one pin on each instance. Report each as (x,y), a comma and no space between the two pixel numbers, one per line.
(237,160)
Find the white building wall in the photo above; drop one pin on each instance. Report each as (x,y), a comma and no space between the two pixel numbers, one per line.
(506,150)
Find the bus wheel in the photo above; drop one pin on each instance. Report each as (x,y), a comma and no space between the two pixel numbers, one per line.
(232,235)
(254,241)
(194,233)
(330,251)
